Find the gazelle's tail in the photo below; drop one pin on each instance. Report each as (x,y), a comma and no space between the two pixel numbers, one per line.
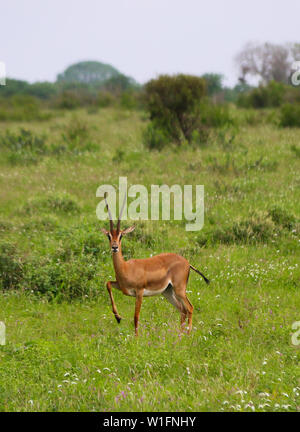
(201,274)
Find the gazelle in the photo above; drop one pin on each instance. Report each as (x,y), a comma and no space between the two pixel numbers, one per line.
(165,274)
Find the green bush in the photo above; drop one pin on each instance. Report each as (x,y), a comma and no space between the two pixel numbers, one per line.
(66,271)
(258,228)
(23,146)
(5,225)
(105,99)
(71,269)
(25,140)
(76,130)
(295,150)
(173,104)
(154,137)
(22,108)
(67,99)
(61,280)
(129,100)
(76,241)
(216,115)
(47,223)
(75,139)
(290,115)
(11,267)
(200,136)
(282,217)
(270,95)
(57,203)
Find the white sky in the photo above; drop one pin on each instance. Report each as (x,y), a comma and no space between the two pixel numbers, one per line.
(142,38)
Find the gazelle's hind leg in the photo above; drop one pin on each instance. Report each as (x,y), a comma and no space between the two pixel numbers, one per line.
(188,306)
(180,293)
(169,294)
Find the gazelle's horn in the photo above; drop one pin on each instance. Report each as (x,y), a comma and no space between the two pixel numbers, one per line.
(109,213)
(120,214)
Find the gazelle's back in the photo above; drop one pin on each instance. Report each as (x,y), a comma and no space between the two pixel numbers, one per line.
(157,272)
(162,261)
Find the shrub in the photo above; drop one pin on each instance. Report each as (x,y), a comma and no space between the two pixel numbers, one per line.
(61,280)
(25,140)
(282,217)
(129,100)
(77,241)
(295,150)
(24,146)
(71,269)
(226,137)
(74,96)
(154,137)
(119,155)
(22,108)
(173,103)
(5,225)
(252,117)
(290,116)
(216,115)
(258,228)
(76,130)
(11,268)
(41,223)
(270,95)
(200,136)
(105,99)
(76,138)
(67,99)
(141,235)
(57,203)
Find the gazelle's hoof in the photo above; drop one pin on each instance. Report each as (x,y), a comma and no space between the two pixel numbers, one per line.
(118,318)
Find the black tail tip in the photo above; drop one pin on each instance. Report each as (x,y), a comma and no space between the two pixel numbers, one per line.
(207,281)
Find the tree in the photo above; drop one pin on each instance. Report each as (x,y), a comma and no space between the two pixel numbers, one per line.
(13,87)
(214,83)
(119,83)
(88,72)
(174,104)
(42,90)
(267,61)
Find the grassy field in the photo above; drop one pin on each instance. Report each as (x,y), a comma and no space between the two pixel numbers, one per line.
(65,351)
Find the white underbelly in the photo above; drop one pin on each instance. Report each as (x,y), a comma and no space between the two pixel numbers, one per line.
(147,292)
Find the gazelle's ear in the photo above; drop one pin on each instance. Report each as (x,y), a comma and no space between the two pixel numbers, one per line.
(128,230)
(104,231)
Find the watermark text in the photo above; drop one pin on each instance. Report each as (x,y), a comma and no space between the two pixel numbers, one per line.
(188,203)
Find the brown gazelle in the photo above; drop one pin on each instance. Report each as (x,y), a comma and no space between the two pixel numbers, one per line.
(165,274)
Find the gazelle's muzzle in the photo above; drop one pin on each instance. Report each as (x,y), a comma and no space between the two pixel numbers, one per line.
(115,248)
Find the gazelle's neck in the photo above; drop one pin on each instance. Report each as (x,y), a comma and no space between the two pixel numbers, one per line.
(119,262)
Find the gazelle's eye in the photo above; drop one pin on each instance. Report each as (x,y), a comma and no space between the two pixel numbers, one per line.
(120,237)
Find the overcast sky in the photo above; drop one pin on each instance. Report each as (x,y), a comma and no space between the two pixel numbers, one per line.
(142,38)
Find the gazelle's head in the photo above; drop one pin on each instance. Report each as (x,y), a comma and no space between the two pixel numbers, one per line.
(115,234)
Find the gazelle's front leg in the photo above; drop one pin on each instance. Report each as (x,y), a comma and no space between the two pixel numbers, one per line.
(109,286)
(138,304)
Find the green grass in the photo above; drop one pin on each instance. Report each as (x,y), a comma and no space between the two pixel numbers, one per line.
(65,351)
